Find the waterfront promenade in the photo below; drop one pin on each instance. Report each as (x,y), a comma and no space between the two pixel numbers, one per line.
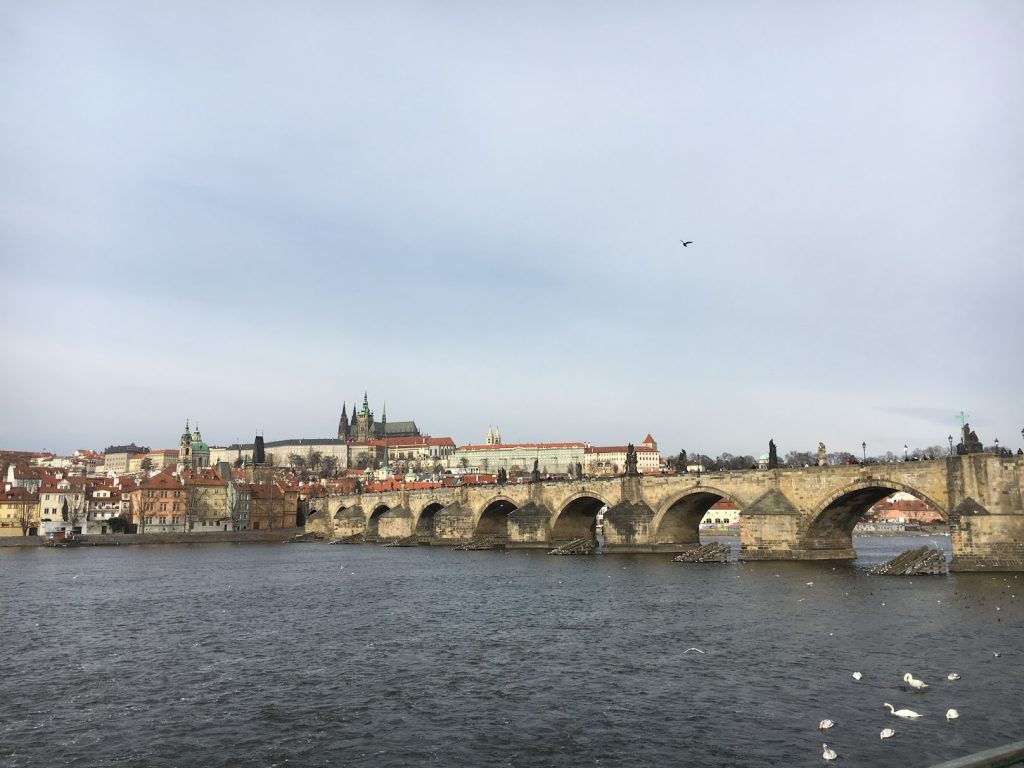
(139,539)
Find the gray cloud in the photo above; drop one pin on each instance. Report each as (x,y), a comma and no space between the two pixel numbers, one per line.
(252,211)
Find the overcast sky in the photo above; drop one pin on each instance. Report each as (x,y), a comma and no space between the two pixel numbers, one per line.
(246,213)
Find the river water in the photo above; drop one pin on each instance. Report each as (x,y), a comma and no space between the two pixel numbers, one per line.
(315,655)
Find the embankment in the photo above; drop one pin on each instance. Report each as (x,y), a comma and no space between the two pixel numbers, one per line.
(127,539)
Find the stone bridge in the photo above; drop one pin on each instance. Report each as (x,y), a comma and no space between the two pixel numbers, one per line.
(785,514)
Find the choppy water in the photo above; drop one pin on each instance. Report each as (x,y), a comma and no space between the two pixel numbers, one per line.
(239,655)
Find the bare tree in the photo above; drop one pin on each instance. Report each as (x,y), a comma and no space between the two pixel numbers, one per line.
(329,466)
(314,460)
(73,511)
(238,505)
(25,517)
(194,498)
(297,462)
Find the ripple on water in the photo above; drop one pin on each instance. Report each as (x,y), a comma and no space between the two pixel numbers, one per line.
(231,656)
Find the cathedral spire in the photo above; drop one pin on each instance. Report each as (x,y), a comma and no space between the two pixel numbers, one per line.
(343,423)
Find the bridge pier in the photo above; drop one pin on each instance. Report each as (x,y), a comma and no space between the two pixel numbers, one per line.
(349,521)
(528,527)
(453,525)
(983,541)
(396,523)
(629,527)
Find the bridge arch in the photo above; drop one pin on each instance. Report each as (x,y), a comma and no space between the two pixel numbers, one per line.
(424,524)
(373,521)
(678,519)
(838,513)
(577,518)
(493,517)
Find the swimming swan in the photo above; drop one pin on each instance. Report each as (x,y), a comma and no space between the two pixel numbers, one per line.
(952,714)
(825,724)
(856,675)
(953,676)
(887,733)
(828,754)
(901,712)
(910,680)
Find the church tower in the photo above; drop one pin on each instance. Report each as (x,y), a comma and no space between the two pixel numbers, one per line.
(200,450)
(185,447)
(384,431)
(343,431)
(364,422)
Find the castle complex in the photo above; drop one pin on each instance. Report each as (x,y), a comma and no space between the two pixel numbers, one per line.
(363,428)
(360,441)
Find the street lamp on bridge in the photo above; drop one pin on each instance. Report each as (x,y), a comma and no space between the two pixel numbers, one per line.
(905,451)
(951,444)
(997,446)
(864,450)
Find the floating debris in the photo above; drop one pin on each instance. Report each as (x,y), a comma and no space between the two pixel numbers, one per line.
(300,538)
(709,553)
(478,543)
(355,538)
(408,541)
(923,561)
(576,547)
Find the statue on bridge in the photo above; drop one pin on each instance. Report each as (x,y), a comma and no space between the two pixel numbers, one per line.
(773,456)
(502,476)
(970,442)
(631,470)
(535,474)
(681,463)
(821,454)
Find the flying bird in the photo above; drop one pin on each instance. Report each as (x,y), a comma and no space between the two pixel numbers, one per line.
(686,243)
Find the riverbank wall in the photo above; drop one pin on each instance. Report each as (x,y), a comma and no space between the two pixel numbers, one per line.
(129,539)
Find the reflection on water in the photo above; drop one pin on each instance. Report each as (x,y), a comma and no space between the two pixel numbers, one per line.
(363,655)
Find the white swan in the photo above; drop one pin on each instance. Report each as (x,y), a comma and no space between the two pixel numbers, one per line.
(828,754)
(901,712)
(856,675)
(952,714)
(824,724)
(953,676)
(887,733)
(913,682)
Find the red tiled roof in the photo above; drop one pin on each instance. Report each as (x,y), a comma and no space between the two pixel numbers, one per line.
(619,449)
(501,446)
(19,494)
(479,479)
